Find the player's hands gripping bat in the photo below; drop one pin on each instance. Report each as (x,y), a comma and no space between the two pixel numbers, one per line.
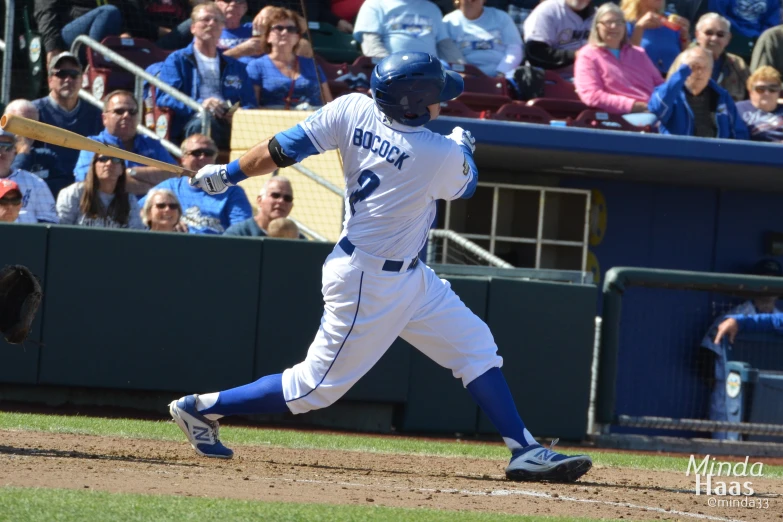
(212,179)
(463,137)
(20,296)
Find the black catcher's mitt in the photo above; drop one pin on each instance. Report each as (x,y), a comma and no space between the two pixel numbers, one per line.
(20,296)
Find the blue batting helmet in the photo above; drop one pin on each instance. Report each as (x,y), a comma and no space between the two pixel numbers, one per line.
(405,83)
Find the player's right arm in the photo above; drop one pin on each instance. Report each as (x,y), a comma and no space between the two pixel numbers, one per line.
(458,174)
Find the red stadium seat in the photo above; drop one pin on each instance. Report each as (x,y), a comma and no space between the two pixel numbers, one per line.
(593,119)
(555,86)
(482,92)
(104,76)
(457,109)
(518,111)
(559,109)
(333,71)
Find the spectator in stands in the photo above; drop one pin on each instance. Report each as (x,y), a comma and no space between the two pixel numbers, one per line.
(767,50)
(321,11)
(161,211)
(237,39)
(63,109)
(276,200)
(120,118)
(762,113)
(346,10)
(261,21)
(387,26)
(690,103)
(60,22)
(555,31)
(749,18)
(713,32)
(663,35)
(201,212)
(101,199)
(486,37)
(37,200)
(155,20)
(283,228)
(611,74)
(10,201)
(36,157)
(201,71)
(280,78)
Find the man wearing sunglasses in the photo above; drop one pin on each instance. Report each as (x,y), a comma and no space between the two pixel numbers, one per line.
(219,83)
(713,33)
(205,213)
(120,118)
(37,200)
(63,108)
(276,200)
(10,201)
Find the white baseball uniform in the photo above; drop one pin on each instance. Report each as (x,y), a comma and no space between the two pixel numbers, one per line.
(37,200)
(556,24)
(374,288)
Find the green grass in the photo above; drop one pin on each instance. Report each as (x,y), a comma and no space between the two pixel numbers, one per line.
(160,430)
(60,505)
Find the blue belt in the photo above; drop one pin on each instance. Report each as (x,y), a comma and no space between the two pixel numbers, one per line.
(388,266)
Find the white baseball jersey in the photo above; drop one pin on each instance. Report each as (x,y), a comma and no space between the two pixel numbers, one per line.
(37,200)
(484,41)
(393,174)
(556,24)
(404,25)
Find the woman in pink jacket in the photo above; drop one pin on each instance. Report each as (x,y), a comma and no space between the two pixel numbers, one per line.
(611,74)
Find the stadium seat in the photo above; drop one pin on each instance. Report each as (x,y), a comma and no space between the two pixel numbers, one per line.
(482,92)
(518,111)
(457,109)
(104,76)
(335,46)
(593,119)
(555,86)
(559,109)
(337,75)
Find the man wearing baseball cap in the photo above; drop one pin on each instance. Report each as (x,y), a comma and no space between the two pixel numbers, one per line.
(37,200)
(63,108)
(10,201)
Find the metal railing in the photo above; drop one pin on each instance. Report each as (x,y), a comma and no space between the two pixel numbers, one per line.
(141,76)
(468,245)
(8,53)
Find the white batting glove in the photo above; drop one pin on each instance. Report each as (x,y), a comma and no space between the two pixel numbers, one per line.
(463,137)
(212,179)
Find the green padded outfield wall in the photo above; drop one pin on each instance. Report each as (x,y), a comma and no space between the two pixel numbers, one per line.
(23,245)
(142,310)
(545,334)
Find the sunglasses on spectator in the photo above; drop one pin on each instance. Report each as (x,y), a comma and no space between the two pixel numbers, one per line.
(67,73)
(170,206)
(288,198)
(122,110)
(719,34)
(13,201)
(761,89)
(5,146)
(290,29)
(200,153)
(104,159)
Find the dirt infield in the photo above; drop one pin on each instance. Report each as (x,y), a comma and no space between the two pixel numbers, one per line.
(33,459)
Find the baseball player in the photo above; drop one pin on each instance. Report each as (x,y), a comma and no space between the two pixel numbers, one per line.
(374,287)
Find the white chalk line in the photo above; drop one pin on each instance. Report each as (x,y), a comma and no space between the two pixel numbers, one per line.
(511,492)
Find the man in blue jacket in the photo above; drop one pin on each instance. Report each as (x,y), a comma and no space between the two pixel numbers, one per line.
(202,72)
(690,103)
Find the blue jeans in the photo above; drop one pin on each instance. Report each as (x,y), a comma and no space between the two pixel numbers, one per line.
(178,38)
(220,130)
(99,23)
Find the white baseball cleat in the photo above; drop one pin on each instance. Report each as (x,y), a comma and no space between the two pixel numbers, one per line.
(536,462)
(201,432)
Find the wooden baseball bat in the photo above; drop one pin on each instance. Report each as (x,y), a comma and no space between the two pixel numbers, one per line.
(36,130)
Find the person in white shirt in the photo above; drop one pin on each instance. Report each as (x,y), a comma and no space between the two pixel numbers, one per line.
(37,199)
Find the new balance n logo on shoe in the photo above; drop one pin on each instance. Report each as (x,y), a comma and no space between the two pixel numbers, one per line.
(201,434)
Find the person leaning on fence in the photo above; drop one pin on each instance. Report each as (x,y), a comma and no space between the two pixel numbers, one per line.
(763,114)
(201,71)
(161,211)
(101,200)
(37,200)
(281,79)
(276,200)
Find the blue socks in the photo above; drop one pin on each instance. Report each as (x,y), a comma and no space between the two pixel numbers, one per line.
(260,397)
(491,393)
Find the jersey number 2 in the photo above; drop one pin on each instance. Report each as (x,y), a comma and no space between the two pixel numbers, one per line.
(368,182)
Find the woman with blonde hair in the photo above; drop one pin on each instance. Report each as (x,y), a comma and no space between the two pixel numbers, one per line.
(611,74)
(162,211)
(281,79)
(763,113)
(101,200)
(662,35)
